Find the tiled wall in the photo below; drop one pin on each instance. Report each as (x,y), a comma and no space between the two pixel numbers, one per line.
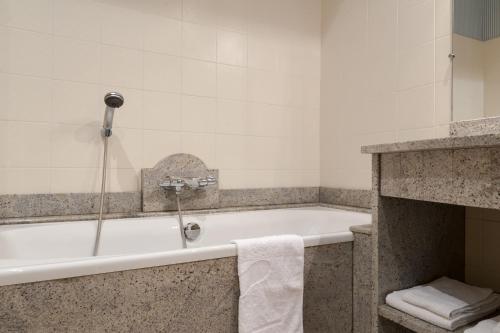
(235,82)
(385,77)
(482,247)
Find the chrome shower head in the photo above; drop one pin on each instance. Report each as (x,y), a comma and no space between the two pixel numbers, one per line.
(113,101)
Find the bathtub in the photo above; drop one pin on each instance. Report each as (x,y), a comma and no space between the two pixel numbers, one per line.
(49,251)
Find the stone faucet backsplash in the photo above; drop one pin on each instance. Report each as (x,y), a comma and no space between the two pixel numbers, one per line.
(156,199)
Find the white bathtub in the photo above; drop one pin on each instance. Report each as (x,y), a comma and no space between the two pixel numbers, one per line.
(38,252)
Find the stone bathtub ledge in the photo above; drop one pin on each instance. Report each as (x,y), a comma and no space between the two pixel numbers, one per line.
(362,229)
(88,217)
(476,141)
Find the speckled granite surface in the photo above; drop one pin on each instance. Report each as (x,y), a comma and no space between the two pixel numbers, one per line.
(469,177)
(70,218)
(268,196)
(362,283)
(129,204)
(487,140)
(475,127)
(156,199)
(416,242)
(192,297)
(362,229)
(12,206)
(345,197)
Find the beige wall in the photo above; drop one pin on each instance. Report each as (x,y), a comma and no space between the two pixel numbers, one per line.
(492,78)
(482,247)
(468,78)
(385,77)
(235,82)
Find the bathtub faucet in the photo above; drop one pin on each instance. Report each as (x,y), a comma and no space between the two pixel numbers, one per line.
(177,184)
(180,183)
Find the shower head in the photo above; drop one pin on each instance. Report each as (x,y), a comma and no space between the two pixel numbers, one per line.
(113,101)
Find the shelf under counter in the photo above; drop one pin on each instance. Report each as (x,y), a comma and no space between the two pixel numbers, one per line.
(415,324)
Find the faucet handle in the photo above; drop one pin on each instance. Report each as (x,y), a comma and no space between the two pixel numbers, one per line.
(176,184)
(204,182)
(211,180)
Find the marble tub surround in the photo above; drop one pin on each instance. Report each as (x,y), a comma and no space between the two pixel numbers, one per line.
(77,206)
(83,206)
(268,196)
(113,216)
(345,197)
(156,199)
(176,298)
(362,229)
(475,127)
(362,279)
(38,205)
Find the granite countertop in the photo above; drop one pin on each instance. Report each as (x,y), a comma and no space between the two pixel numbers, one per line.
(475,141)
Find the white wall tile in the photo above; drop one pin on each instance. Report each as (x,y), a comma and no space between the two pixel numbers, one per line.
(198,114)
(158,145)
(125,150)
(70,54)
(122,67)
(124,180)
(122,26)
(443,62)
(77,103)
(182,66)
(27,14)
(75,146)
(231,48)
(200,11)
(443,102)
(162,8)
(24,181)
(26,52)
(231,117)
(416,67)
(163,35)
(416,25)
(162,72)
(199,42)
(199,78)
(416,107)
(25,98)
(201,145)
(77,19)
(162,111)
(443,17)
(231,82)
(402,93)
(75,180)
(232,14)
(27,145)
(231,151)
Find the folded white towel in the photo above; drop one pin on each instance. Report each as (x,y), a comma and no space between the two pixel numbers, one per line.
(395,299)
(486,326)
(448,298)
(271,274)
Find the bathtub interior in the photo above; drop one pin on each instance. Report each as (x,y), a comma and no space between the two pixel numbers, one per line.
(29,244)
